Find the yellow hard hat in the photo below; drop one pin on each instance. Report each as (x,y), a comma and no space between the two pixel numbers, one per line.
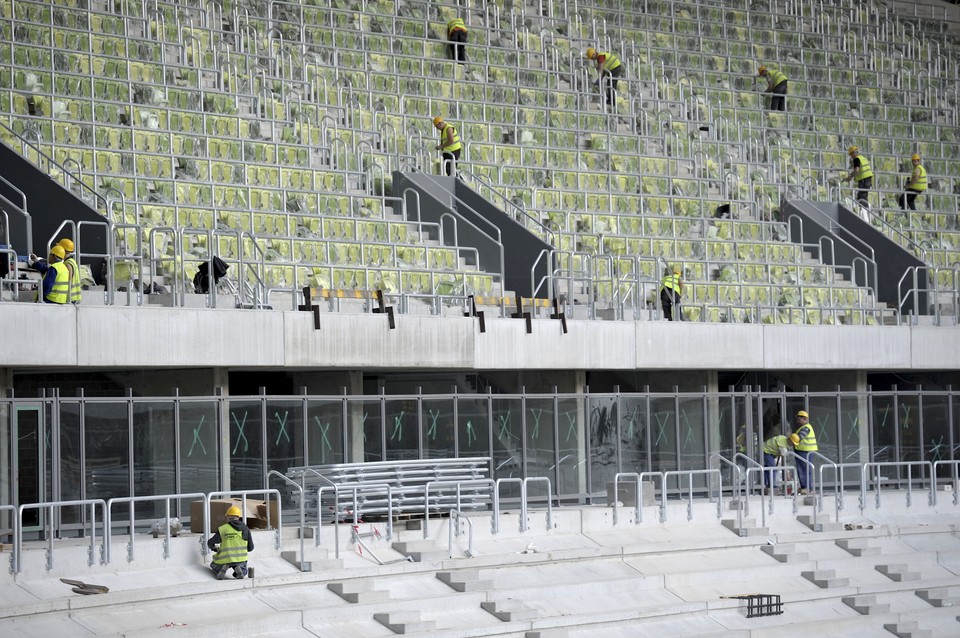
(795,438)
(803,414)
(761,70)
(591,53)
(234,512)
(677,270)
(437,121)
(66,244)
(915,157)
(853,149)
(57,251)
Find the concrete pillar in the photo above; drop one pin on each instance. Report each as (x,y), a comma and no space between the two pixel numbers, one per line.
(221,387)
(6,474)
(354,425)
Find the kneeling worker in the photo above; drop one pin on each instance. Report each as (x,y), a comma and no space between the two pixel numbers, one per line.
(235,541)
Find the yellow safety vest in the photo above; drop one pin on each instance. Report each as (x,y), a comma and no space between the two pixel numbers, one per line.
(456,146)
(61,286)
(455,25)
(773,445)
(610,61)
(233,548)
(864,171)
(74,268)
(918,180)
(672,282)
(808,439)
(775,77)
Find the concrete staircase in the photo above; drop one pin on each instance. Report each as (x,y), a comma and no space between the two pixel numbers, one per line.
(866,604)
(858,546)
(940,596)
(825,578)
(898,572)
(785,552)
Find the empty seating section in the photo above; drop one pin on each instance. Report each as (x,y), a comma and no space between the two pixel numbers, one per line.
(271,136)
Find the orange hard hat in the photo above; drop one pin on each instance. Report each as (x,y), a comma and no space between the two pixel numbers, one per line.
(437,121)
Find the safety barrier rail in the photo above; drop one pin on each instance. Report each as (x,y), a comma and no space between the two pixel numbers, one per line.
(454,530)
(132,522)
(876,479)
(92,503)
(14,533)
(954,467)
(495,523)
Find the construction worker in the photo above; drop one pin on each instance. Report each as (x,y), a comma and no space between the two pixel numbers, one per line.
(457,36)
(804,443)
(861,172)
(915,185)
(609,68)
(231,542)
(70,261)
(55,286)
(773,450)
(449,145)
(671,289)
(776,87)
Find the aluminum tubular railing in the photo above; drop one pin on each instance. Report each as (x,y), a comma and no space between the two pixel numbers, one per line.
(751,463)
(243,494)
(526,495)
(689,474)
(638,506)
(954,467)
(14,532)
(876,479)
(495,521)
(454,530)
(336,509)
(131,523)
(838,484)
(48,525)
(459,484)
(289,481)
(736,482)
(356,490)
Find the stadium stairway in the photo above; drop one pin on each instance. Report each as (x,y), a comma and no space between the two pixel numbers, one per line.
(891,570)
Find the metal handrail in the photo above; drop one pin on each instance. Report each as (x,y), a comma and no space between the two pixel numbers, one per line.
(526,493)
(690,474)
(878,465)
(737,485)
(955,476)
(108,522)
(14,528)
(299,487)
(495,523)
(448,483)
(455,517)
(91,502)
(336,510)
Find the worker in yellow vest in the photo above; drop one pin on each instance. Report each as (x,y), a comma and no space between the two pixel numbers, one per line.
(804,441)
(671,289)
(609,68)
(457,36)
(232,542)
(55,286)
(861,172)
(916,184)
(774,448)
(776,87)
(449,145)
(70,260)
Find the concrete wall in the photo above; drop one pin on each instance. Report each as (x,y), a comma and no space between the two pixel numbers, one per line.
(61,338)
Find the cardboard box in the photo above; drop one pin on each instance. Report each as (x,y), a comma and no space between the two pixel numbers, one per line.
(255,515)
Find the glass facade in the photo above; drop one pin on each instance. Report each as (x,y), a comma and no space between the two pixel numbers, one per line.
(82,448)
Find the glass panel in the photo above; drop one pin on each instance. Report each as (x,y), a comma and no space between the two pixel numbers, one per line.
(823,418)
(199,448)
(402,431)
(71,455)
(884,429)
(106,435)
(473,436)
(438,430)
(634,434)
(602,441)
(364,416)
(246,445)
(909,429)
(571,474)
(540,454)
(324,432)
(936,430)
(692,427)
(284,435)
(507,442)
(664,434)
(154,466)
(28,451)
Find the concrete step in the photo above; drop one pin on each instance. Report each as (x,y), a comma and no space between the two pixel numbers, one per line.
(821,525)
(858,546)
(748,527)
(866,605)
(825,578)
(358,591)
(465,580)
(899,572)
(421,551)
(908,630)
(785,552)
(404,622)
(509,610)
(940,596)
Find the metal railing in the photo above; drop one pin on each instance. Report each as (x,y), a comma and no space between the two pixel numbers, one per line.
(132,522)
(90,524)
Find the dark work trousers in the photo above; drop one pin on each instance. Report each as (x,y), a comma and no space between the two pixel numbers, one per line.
(778,101)
(863,191)
(909,199)
(449,160)
(668,299)
(458,47)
